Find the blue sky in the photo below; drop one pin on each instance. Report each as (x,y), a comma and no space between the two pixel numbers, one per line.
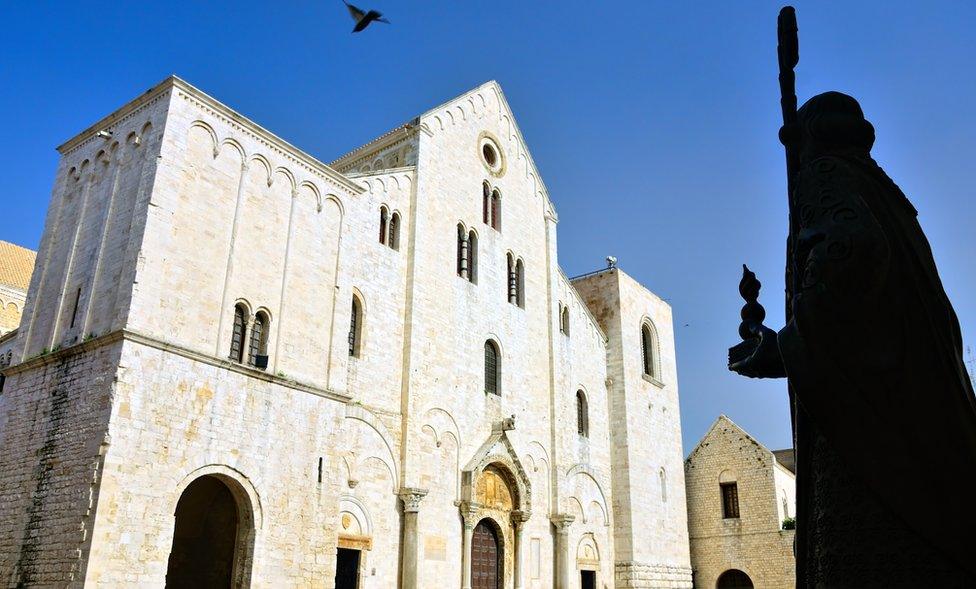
(653,124)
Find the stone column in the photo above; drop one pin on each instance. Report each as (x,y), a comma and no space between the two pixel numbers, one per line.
(518,520)
(563,563)
(469,513)
(411,498)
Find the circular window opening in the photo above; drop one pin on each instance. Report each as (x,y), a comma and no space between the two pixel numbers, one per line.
(490,155)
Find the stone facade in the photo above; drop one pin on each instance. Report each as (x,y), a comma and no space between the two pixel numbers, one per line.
(374,437)
(754,542)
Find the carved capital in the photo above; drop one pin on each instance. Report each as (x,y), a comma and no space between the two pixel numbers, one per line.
(411,497)
(562,522)
(519,518)
(469,513)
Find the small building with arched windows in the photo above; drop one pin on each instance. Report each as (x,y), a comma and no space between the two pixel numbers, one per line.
(741,509)
(242,366)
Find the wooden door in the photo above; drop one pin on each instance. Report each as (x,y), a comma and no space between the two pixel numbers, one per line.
(485,558)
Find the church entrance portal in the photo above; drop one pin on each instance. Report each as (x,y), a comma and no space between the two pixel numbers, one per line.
(207,538)
(347,569)
(486,557)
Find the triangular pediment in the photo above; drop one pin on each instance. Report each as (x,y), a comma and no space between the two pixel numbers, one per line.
(497,450)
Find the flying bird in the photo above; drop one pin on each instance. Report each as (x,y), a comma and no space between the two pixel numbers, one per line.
(363,18)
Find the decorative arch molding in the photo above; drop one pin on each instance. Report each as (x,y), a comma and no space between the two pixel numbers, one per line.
(198,124)
(587,472)
(237,147)
(588,552)
(352,504)
(361,414)
(288,176)
(440,423)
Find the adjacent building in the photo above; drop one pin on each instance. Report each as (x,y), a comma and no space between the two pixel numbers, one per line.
(243,366)
(741,505)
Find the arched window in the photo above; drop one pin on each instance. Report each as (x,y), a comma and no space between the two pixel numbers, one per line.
(258,344)
(355,327)
(394,240)
(496,210)
(564,321)
(486,203)
(520,284)
(473,256)
(492,368)
(734,579)
(462,252)
(383,218)
(237,336)
(582,415)
(663,477)
(649,350)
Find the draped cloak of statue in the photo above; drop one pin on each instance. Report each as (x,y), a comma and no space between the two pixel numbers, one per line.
(885,412)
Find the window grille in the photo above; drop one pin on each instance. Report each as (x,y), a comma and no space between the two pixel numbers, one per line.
(355,327)
(383,217)
(730,500)
(237,337)
(259,338)
(394,241)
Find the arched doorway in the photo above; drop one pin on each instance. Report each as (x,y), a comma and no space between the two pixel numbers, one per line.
(734,579)
(211,537)
(486,557)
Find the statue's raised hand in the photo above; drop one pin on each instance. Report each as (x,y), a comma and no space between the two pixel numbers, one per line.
(758,356)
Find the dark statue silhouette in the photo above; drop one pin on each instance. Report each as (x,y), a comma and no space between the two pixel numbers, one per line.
(883,411)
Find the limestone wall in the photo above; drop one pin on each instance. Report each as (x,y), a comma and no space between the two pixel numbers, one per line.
(54,413)
(753,542)
(87,257)
(651,520)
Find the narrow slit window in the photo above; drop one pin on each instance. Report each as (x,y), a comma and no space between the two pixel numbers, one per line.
(486,203)
(462,252)
(74,312)
(496,210)
(520,284)
(383,220)
(473,257)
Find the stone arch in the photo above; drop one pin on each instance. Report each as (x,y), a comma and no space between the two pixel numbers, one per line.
(650,347)
(237,147)
(198,124)
(249,514)
(288,176)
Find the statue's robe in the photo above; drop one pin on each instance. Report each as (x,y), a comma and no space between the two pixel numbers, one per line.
(885,412)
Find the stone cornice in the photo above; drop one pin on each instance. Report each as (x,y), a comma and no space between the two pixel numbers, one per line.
(159,344)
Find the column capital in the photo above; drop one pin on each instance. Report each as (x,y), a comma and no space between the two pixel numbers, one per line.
(562,522)
(469,513)
(519,517)
(411,497)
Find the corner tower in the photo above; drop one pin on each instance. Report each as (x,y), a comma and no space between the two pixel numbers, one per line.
(650,514)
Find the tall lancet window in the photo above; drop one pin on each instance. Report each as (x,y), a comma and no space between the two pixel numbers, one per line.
(486,203)
(462,252)
(496,210)
(237,336)
(394,239)
(492,368)
(582,415)
(473,256)
(383,220)
(356,327)
(258,344)
(520,284)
